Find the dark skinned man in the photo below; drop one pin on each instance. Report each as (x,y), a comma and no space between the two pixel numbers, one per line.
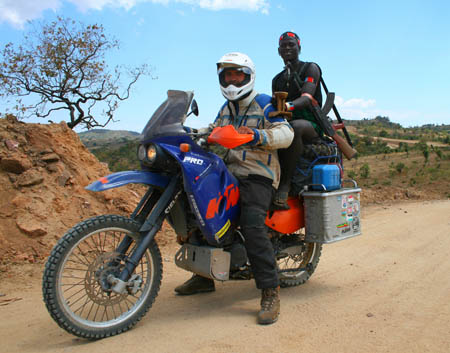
(301,81)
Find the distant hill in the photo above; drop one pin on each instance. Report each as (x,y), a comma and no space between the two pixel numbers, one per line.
(384,121)
(117,148)
(96,138)
(382,129)
(370,137)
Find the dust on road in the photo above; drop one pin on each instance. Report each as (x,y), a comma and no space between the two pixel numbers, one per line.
(385,291)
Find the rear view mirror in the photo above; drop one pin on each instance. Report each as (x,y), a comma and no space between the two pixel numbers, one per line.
(194,108)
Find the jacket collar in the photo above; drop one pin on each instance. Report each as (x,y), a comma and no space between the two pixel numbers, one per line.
(243,104)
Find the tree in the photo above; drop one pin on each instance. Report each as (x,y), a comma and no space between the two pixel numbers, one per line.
(383,133)
(61,66)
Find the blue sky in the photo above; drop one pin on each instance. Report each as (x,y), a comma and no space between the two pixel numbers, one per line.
(388,58)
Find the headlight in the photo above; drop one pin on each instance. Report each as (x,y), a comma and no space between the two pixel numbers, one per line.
(151,153)
(141,152)
(153,157)
(147,153)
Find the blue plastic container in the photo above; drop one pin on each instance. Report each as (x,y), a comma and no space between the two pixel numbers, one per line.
(326,177)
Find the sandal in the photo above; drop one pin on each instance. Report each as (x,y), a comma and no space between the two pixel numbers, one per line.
(280,201)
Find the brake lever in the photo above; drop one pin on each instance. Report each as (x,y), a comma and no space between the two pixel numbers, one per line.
(202,142)
(200,138)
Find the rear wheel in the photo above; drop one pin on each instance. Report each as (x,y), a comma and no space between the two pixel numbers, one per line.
(297,261)
(77,278)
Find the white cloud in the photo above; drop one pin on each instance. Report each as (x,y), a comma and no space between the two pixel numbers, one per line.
(216,5)
(355,108)
(17,12)
(358,109)
(355,103)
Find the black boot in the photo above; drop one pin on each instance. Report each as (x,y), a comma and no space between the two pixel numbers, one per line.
(196,284)
(280,201)
(270,306)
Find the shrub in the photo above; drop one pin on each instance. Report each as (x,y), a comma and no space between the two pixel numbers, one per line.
(352,174)
(426,155)
(364,171)
(399,167)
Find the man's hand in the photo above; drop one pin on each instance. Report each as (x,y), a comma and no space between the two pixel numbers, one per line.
(245,130)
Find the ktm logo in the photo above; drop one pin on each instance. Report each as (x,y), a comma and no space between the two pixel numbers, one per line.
(231,195)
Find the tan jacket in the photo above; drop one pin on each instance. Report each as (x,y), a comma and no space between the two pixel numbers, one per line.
(259,157)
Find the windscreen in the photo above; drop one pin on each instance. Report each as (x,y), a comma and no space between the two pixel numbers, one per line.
(168,119)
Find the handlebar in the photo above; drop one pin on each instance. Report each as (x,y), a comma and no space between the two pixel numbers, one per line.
(228,137)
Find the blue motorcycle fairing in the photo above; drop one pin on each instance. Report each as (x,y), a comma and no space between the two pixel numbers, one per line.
(212,190)
(116,180)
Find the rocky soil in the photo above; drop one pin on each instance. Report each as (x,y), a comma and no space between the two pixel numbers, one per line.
(43,172)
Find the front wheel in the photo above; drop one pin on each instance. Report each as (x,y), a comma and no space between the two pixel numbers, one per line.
(297,261)
(76,286)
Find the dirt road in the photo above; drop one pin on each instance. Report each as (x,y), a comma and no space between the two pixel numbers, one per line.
(385,291)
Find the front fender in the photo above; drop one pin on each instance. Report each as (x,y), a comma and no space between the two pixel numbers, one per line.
(116,180)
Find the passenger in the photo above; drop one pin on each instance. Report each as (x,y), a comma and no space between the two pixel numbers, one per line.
(302,82)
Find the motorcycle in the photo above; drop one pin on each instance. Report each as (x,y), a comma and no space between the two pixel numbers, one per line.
(104,274)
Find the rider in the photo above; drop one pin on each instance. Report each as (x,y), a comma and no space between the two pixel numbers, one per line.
(257,168)
(302,82)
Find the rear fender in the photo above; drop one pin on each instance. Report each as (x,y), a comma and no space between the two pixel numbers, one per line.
(119,179)
(287,221)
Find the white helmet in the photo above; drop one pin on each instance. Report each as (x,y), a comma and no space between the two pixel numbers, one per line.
(242,63)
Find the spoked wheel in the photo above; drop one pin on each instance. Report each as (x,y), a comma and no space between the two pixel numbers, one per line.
(297,261)
(77,282)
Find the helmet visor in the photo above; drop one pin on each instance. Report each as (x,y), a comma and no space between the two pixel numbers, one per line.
(229,76)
